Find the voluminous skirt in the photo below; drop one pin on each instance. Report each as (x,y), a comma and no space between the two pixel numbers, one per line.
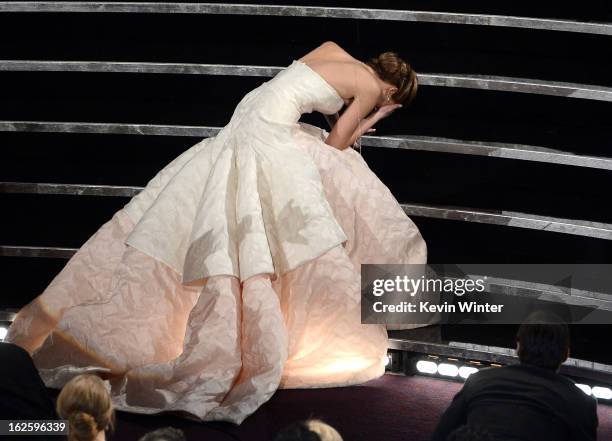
(181,317)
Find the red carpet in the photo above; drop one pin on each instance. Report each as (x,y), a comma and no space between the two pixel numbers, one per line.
(390,408)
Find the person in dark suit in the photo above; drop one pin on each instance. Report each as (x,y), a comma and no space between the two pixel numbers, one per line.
(24,396)
(471,433)
(527,401)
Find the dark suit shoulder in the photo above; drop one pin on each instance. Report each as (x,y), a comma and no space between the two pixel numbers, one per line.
(557,384)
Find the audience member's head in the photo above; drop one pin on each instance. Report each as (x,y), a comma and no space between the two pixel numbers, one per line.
(543,341)
(309,430)
(164,434)
(470,433)
(86,403)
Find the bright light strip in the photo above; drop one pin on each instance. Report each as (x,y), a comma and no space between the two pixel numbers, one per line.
(448,370)
(426,367)
(604,393)
(388,360)
(452,370)
(466,371)
(585,388)
(3,332)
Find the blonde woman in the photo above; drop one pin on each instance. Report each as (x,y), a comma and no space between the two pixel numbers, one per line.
(324,430)
(86,403)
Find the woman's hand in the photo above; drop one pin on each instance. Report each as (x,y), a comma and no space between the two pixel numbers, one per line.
(384,111)
(376,115)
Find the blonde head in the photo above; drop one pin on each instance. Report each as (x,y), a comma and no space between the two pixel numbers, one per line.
(86,403)
(325,431)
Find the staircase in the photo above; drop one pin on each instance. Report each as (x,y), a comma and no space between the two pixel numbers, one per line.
(505,156)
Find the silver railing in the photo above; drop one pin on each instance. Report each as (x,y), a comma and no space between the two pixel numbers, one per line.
(483,82)
(460,18)
(506,218)
(423,143)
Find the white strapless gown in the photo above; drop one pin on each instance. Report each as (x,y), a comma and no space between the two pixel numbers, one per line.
(234,272)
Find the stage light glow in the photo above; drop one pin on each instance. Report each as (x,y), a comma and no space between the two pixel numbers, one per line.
(388,360)
(584,387)
(3,332)
(448,370)
(349,364)
(604,393)
(466,371)
(426,367)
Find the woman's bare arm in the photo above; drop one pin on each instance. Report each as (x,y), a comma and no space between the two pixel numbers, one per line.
(350,125)
(332,119)
(365,127)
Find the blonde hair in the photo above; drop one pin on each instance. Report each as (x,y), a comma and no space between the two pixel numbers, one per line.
(86,403)
(325,431)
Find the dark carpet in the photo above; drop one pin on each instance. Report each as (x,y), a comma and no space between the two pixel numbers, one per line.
(391,408)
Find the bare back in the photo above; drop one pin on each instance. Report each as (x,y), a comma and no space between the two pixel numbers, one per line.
(353,81)
(342,71)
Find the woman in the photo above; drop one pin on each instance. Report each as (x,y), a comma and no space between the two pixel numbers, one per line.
(237,269)
(86,404)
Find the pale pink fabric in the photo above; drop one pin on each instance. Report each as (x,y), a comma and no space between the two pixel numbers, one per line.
(217,347)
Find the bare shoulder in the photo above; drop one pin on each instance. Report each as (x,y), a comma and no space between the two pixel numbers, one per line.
(332,45)
(328,51)
(340,69)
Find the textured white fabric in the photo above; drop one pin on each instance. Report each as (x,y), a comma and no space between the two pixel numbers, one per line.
(247,201)
(269,227)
